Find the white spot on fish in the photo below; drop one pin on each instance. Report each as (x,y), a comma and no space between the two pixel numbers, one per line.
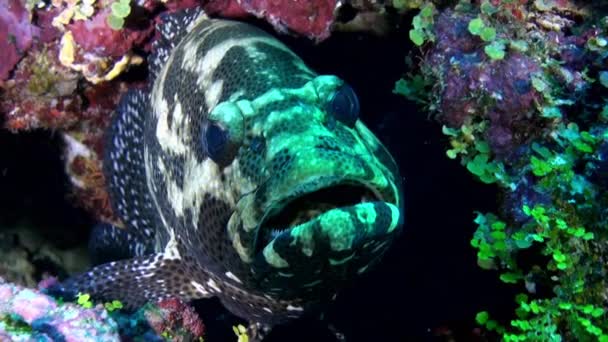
(294,308)
(362,269)
(233,277)
(200,288)
(267,310)
(335,262)
(213,285)
(312,283)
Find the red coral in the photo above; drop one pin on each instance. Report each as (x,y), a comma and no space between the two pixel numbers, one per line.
(95,36)
(176,318)
(181,4)
(226,8)
(16,34)
(310,18)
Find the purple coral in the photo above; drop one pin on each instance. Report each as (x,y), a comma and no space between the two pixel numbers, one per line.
(16,34)
(49,320)
(477,87)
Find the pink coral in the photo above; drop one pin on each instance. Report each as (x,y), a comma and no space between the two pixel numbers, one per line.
(95,36)
(51,321)
(30,306)
(309,18)
(16,34)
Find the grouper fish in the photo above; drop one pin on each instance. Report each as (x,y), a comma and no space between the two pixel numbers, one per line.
(242,174)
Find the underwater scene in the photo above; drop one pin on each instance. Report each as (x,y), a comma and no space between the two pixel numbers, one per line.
(290,170)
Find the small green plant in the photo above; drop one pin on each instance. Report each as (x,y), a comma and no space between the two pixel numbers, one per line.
(567,233)
(84,300)
(113,305)
(120,10)
(495,49)
(241,333)
(413,88)
(423,25)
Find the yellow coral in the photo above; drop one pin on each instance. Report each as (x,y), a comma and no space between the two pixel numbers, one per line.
(66,54)
(64,18)
(241,332)
(119,67)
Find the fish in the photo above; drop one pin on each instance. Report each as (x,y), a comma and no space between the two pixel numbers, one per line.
(240,173)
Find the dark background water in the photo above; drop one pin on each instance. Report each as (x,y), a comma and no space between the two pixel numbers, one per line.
(427,281)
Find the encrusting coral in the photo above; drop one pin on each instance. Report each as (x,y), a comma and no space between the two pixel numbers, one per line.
(28,314)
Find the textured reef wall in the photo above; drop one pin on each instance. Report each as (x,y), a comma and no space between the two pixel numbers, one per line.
(65,65)
(520,89)
(27,314)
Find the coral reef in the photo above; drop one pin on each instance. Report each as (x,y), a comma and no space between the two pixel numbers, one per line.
(26,314)
(16,34)
(517,86)
(310,18)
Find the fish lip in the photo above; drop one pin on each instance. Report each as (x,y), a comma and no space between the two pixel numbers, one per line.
(308,188)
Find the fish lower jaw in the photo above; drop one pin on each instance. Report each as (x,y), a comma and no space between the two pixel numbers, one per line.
(343,228)
(329,211)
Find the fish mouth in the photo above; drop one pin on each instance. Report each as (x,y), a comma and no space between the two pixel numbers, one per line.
(308,206)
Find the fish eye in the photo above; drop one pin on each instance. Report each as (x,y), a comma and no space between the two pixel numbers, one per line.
(344,105)
(216,142)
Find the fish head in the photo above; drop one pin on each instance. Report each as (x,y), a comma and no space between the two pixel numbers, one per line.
(317,197)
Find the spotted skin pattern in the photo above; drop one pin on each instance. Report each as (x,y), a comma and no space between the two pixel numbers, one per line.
(210,221)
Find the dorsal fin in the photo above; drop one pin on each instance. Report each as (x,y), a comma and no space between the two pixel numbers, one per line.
(172,28)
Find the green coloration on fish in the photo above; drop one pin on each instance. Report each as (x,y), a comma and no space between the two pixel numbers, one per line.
(242,174)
